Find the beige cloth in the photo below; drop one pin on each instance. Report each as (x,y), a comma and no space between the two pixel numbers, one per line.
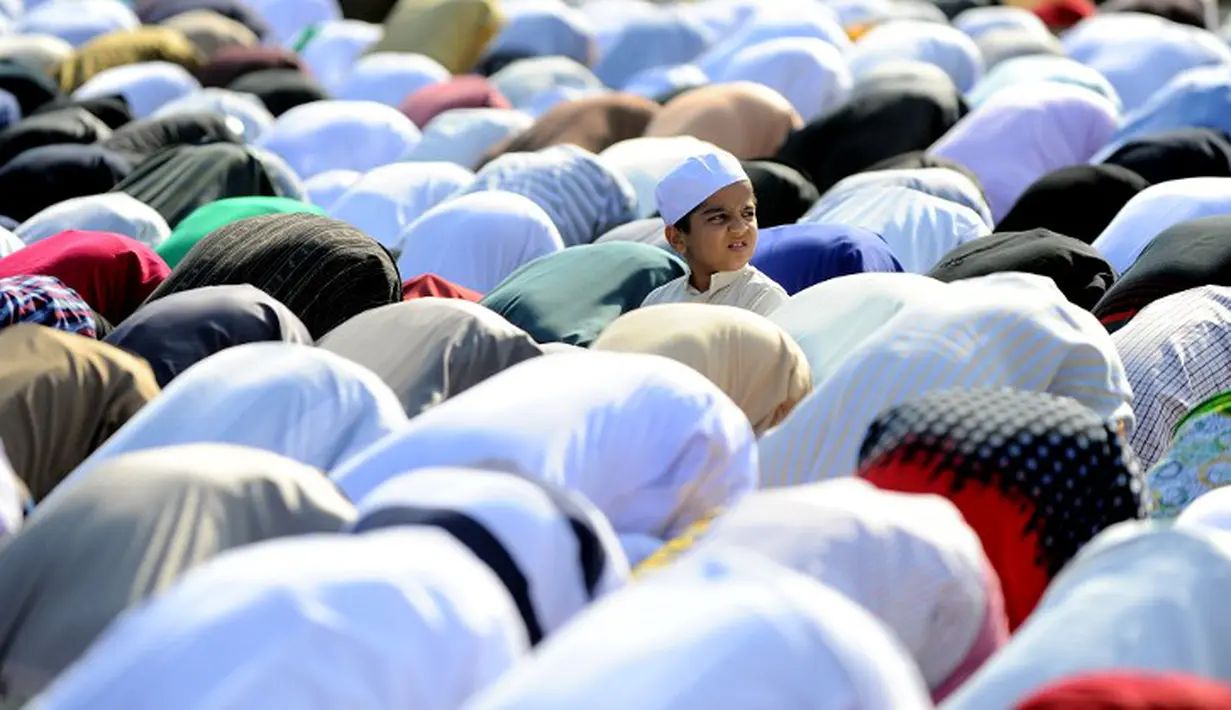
(430,349)
(746,119)
(210,31)
(61,397)
(453,32)
(129,530)
(754,361)
(747,288)
(116,49)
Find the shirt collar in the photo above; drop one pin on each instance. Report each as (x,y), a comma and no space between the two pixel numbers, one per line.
(718,281)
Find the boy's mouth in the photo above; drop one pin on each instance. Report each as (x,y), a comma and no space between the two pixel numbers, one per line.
(737,246)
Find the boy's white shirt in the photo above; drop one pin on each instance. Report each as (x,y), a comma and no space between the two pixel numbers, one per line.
(747,288)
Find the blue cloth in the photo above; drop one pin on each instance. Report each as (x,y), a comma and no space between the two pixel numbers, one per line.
(1198,98)
(664,38)
(798,256)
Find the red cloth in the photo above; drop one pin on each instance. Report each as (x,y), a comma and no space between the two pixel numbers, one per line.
(230,63)
(460,92)
(1063,14)
(1129,690)
(432,286)
(113,273)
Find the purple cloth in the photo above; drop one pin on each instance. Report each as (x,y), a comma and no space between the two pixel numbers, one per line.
(801,255)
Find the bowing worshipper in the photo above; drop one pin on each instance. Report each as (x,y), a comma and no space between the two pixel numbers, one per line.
(130,532)
(710,211)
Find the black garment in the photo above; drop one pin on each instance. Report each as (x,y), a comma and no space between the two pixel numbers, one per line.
(1178,154)
(892,117)
(493,63)
(783,193)
(374,11)
(141,140)
(41,177)
(178,331)
(180,179)
(324,270)
(111,110)
(1080,272)
(1078,201)
(1185,12)
(152,12)
(280,89)
(70,125)
(916,159)
(32,89)
(1185,256)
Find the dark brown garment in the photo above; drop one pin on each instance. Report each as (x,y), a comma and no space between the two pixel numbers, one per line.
(746,119)
(324,270)
(61,396)
(595,123)
(231,63)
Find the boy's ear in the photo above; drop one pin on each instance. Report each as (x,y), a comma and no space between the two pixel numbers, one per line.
(674,237)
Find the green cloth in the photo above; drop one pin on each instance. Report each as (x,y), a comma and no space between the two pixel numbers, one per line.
(220,213)
(572,295)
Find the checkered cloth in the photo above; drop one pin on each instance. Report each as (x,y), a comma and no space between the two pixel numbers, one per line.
(45,300)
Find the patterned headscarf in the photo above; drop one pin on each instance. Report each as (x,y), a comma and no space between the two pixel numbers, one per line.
(45,300)
(1198,461)
(1036,476)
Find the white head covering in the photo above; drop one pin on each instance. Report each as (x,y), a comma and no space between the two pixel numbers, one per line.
(1137,597)
(523,80)
(695,450)
(391,619)
(11,503)
(146,86)
(287,18)
(463,135)
(325,188)
(832,319)
(810,73)
(38,52)
(910,560)
(693,181)
(918,227)
(583,195)
(335,47)
(245,108)
(477,240)
(560,545)
(945,46)
(1025,333)
(723,630)
(646,161)
(348,135)
(116,212)
(1154,209)
(389,77)
(307,404)
(77,21)
(1018,136)
(383,202)
(945,183)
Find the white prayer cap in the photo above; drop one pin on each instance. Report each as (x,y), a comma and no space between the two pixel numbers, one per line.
(694,180)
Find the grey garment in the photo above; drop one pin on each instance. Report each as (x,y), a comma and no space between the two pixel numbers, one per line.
(430,349)
(129,530)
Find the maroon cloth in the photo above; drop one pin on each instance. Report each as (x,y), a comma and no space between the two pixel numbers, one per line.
(1063,14)
(230,63)
(432,286)
(1131,690)
(460,92)
(111,272)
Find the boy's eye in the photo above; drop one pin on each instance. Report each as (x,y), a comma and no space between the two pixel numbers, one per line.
(718,219)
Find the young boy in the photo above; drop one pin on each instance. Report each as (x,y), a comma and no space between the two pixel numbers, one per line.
(711,215)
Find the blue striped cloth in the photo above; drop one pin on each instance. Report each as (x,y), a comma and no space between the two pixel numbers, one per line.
(45,300)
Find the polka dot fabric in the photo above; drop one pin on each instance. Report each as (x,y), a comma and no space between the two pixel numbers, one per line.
(1062,475)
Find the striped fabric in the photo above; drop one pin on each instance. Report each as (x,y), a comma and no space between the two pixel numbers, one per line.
(45,300)
(1006,330)
(582,195)
(1177,352)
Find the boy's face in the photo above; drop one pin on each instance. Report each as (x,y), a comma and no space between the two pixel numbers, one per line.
(722,231)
